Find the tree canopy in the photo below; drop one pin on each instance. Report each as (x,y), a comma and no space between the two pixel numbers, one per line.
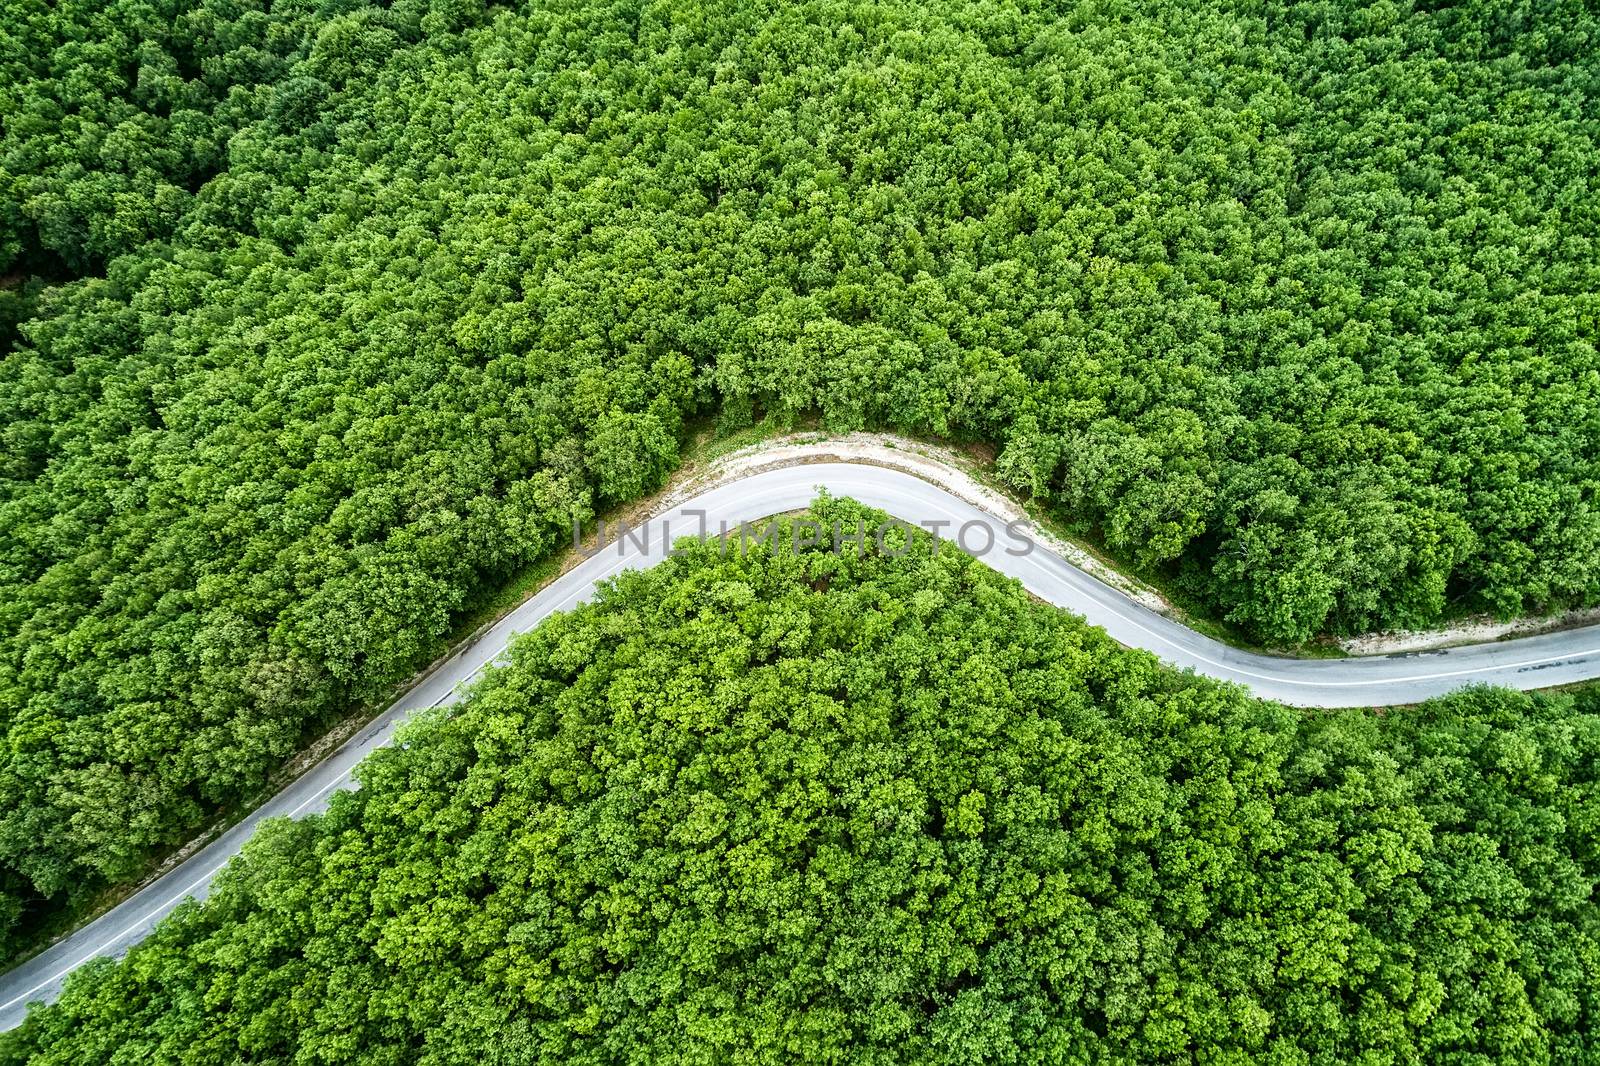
(804,806)
(343,310)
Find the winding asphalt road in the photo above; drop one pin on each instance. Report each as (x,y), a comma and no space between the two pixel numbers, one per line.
(1530,662)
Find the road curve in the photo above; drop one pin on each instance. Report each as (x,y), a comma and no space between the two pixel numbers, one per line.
(1530,662)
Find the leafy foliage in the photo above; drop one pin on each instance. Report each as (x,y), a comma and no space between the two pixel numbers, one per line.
(807,807)
(1294,300)
(117,112)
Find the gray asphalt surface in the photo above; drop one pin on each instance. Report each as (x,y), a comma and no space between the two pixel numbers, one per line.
(1530,662)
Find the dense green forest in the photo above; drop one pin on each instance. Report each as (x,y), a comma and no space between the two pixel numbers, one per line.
(321,315)
(812,807)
